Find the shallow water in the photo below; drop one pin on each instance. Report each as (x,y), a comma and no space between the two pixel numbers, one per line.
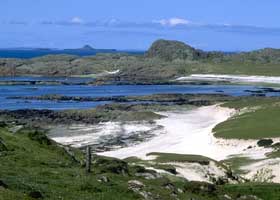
(100,91)
(66,80)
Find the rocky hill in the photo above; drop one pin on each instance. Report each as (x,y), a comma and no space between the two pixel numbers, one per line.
(171,50)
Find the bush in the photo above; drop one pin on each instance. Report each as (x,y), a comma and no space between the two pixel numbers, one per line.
(111,165)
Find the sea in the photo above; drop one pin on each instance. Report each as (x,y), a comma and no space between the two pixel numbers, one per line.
(32,53)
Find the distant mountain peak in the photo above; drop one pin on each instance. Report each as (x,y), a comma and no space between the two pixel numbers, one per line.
(87,47)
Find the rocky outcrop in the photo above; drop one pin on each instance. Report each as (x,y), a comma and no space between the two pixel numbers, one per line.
(170,50)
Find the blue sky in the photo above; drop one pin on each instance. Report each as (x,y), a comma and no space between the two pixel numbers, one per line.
(230,25)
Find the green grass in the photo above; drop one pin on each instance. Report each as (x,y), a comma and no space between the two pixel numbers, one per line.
(250,102)
(261,120)
(170,157)
(263,191)
(235,163)
(6,194)
(274,154)
(85,76)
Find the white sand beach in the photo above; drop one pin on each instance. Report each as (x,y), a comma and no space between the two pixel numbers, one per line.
(231,78)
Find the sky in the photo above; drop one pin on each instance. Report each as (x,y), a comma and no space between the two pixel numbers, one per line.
(227,25)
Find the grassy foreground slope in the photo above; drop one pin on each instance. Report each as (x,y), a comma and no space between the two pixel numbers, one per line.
(32,164)
(33,167)
(257,118)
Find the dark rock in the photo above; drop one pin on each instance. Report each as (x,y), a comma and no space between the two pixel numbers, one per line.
(138,187)
(135,185)
(276,145)
(200,102)
(56,97)
(171,170)
(146,173)
(220,181)
(149,175)
(255,91)
(103,179)
(200,188)
(2,124)
(258,95)
(170,186)
(265,142)
(270,90)
(35,195)
(140,169)
(2,184)
(3,147)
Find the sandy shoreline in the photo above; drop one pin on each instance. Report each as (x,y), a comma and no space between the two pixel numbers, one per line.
(186,132)
(231,78)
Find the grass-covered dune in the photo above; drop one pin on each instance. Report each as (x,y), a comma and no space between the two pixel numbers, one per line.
(256,118)
(164,61)
(34,167)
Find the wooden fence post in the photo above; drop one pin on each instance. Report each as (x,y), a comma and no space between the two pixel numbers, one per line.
(88,159)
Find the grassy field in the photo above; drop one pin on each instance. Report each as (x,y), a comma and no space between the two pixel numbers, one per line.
(258,118)
(264,191)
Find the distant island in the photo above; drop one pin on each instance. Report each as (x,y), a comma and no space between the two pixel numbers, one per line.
(90,48)
(32,52)
(84,48)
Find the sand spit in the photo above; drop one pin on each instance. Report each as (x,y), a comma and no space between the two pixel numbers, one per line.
(231,78)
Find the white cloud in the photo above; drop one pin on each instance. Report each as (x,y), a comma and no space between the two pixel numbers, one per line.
(77,20)
(172,21)
(227,24)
